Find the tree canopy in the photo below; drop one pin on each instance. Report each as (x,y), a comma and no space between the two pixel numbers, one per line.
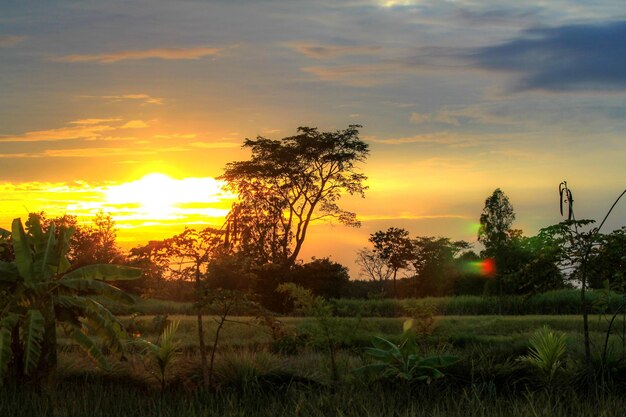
(289,183)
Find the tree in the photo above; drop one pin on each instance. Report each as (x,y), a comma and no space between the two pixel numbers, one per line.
(495,233)
(394,247)
(495,222)
(289,183)
(434,263)
(322,276)
(39,292)
(374,268)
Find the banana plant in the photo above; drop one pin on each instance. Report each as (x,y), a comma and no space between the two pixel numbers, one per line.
(39,291)
(403,361)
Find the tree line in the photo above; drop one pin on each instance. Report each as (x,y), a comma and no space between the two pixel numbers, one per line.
(288,184)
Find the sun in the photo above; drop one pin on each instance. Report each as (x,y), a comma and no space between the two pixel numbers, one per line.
(158,196)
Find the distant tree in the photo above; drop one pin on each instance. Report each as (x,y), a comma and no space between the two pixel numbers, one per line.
(395,247)
(289,183)
(434,263)
(322,276)
(609,261)
(495,222)
(496,233)
(89,244)
(374,268)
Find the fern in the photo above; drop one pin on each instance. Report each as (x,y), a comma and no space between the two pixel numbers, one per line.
(33,332)
(546,353)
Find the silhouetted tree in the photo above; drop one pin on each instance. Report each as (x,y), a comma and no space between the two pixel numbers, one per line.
(433,260)
(395,247)
(495,233)
(374,268)
(323,277)
(289,183)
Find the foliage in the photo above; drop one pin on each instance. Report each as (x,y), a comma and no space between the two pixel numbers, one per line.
(40,291)
(323,277)
(314,306)
(403,361)
(395,248)
(546,354)
(288,183)
(374,268)
(163,354)
(434,264)
(495,222)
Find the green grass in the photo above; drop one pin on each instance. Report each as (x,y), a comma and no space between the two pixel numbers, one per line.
(97,398)
(255,378)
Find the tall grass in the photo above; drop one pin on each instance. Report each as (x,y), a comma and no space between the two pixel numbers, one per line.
(554,302)
(99,399)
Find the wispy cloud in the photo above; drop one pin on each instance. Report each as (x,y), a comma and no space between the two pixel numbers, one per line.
(143,98)
(135,124)
(7,41)
(77,131)
(320,51)
(214,145)
(156,53)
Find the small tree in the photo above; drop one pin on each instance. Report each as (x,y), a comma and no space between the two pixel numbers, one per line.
(395,247)
(374,268)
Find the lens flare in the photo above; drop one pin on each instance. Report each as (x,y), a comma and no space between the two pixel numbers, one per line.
(485,268)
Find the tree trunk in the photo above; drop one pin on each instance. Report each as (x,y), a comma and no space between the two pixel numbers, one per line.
(202,345)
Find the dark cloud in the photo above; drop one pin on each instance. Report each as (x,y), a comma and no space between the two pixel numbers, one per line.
(575,57)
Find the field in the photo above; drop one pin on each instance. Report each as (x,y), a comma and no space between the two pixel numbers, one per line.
(257,374)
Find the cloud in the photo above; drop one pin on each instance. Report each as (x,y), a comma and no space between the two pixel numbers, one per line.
(566,58)
(215,145)
(87,129)
(135,124)
(93,121)
(358,75)
(144,98)
(156,53)
(474,114)
(319,51)
(7,41)
(64,133)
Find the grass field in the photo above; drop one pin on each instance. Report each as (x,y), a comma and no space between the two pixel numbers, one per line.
(257,375)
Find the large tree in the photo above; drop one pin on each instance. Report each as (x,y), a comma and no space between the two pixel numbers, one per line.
(288,183)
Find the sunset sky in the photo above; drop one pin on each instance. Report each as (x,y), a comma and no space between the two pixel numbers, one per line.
(456,98)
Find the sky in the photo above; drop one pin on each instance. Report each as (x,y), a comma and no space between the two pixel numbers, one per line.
(456,98)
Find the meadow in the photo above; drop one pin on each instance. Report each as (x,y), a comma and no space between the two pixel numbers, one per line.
(260,374)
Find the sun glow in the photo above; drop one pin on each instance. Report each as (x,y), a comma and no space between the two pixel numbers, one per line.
(158,196)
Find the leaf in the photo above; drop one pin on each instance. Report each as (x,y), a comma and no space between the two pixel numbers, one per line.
(6,327)
(44,265)
(105,272)
(89,346)
(104,324)
(33,332)
(8,272)
(23,255)
(407,325)
(99,287)
(438,361)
